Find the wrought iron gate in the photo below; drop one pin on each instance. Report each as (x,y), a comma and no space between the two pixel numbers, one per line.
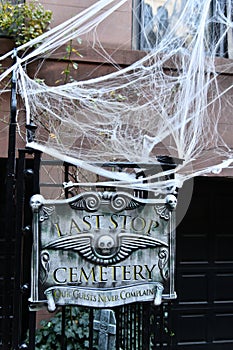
(138,326)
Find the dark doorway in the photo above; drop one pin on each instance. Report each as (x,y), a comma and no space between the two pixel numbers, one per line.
(202,316)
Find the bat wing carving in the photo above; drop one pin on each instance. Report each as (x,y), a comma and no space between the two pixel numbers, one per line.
(132,242)
(80,243)
(121,246)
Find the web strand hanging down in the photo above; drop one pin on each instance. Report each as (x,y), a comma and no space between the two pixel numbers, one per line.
(140,112)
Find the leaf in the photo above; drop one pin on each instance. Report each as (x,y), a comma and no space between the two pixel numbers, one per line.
(68,48)
(46,332)
(76,52)
(58,81)
(80,332)
(65,71)
(86,344)
(57,327)
(38,338)
(39,81)
(75,65)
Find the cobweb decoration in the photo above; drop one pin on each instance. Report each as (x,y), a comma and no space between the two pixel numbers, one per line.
(144,110)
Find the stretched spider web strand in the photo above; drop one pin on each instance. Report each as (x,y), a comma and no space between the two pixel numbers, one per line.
(169,101)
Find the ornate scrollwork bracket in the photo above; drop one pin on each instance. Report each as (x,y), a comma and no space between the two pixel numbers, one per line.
(117,201)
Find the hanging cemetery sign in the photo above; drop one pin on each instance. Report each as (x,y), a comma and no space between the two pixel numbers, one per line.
(102,249)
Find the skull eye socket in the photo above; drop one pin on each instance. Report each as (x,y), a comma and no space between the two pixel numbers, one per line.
(109,244)
(102,245)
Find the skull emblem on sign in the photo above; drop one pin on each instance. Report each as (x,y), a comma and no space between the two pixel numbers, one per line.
(105,245)
(36,202)
(171,201)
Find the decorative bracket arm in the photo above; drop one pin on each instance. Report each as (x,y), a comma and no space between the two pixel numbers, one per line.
(158,294)
(51,302)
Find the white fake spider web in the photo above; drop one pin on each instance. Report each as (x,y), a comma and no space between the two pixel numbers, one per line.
(168,102)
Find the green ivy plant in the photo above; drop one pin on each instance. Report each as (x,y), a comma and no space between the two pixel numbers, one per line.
(49,335)
(24,21)
(71,65)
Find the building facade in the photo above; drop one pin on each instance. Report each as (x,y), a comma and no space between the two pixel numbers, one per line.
(202,315)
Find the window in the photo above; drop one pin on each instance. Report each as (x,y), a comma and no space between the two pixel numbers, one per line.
(153,19)
(15,2)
